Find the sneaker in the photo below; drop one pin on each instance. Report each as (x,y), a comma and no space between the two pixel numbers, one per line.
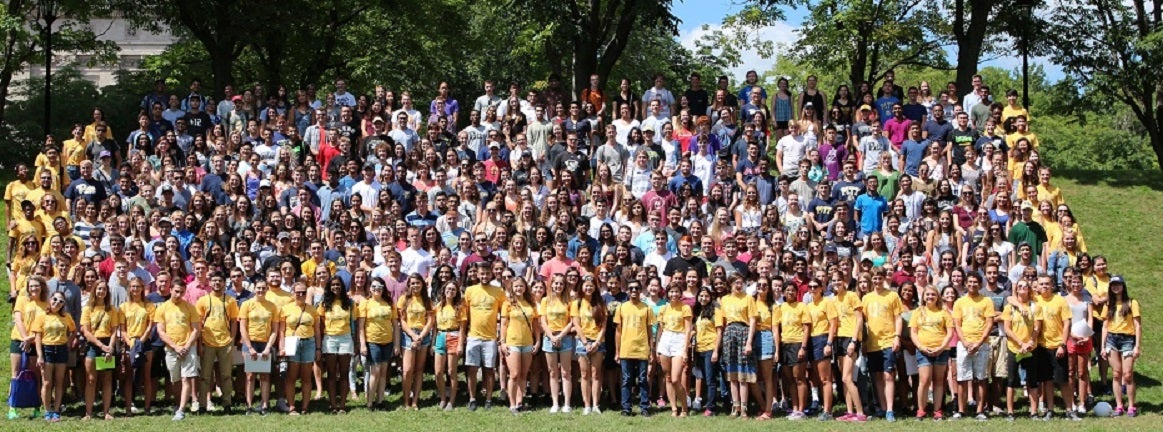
(957,415)
(56,417)
(1131,412)
(858,418)
(626,413)
(1010,417)
(262,412)
(12,414)
(1049,416)
(595,411)
(1073,416)
(179,416)
(824,416)
(796,416)
(281,405)
(1118,412)
(489,404)
(515,410)
(566,409)
(938,415)
(661,403)
(586,411)
(554,409)
(697,404)
(210,406)
(708,413)
(133,410)
(645,412)
(845,417)
(889,416)
(195,406)
(982,417)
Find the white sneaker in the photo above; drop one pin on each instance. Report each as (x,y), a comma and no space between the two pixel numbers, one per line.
(195,406)
(596,411)
(566,409)
(210,406)
(554,409)
(133,410)
(586,411)
(697,404)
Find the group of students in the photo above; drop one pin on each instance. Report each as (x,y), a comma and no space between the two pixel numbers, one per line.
(738,258)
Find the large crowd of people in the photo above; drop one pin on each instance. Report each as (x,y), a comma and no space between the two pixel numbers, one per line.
(873,252)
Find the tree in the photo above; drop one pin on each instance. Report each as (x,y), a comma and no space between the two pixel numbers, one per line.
(1115,48)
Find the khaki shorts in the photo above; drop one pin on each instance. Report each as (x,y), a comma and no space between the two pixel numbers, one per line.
(999,360)
(185,367)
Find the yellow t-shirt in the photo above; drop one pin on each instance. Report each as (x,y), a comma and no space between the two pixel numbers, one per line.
(54,329)
(179,320)
(14,193)
(848,306)
(73,152)
(1012,140)
(300,321)
(522,317)
(1021,324)
(1055,313)
(1097,286)
(29,310)
(932,326)
(762,316)
(973,312)
(673,318)
(217,314)
(556,313)
(260,315)
(823,311)
(792,317)
(634,321)
(1120,325)
(279,297)
(585,319)
(737,308)
(415,315)
(100,321)
(484,303)
(881,312)
(449,317)
(1051,193)
(336,319)
(379,320)
(706,331)
(137,316)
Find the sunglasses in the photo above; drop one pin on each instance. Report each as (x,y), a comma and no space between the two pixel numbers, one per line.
(56,300)
(300,293)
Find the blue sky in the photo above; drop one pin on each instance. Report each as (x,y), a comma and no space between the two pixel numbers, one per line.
(696,13)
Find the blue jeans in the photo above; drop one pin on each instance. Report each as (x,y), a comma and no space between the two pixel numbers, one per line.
(710,375)
(634,372)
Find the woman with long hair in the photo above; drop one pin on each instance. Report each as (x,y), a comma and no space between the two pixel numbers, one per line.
(417,320)
(256,325)
(1022,324)
(53,332)
(675,324)
(335,313)
(1078,348)
(588,314)
(558,342)
(706,335)
(932,331)
(1123,334)
(101,325)
(451,324)
(518,316)
(377,331)
(137,314)
(299,329)
(793,323)
(739,315)
(848,338)
(825,321)
(31,303)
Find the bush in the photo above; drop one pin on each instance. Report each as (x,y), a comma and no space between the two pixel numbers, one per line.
(1065,144)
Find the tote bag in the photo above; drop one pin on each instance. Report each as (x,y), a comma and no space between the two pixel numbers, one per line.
(24,392)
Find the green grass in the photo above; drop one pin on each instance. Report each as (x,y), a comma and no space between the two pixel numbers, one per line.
(1118,211)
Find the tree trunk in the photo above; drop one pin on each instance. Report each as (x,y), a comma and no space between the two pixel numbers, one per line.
(970,40)
(222,66)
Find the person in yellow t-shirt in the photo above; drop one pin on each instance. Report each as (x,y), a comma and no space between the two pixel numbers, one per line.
(708,333)
(137,316)
(588,313)
(16,191)
(179,327)
(1123,333)
(219,315)
(256,323)
(480,349)
(302,342)
(883,309)
(520,331)
(825,321)
(973,317)
(558,342)
(101,325)
(72,152)
(32,303)
(633,339)
(378,330)
(53,333)
(1022,324)
(848,336)
(1051,352)
(417,320)
(451,323)
(932,330)
(335,313)
(738,311)
(675,327)
(763,345)
(792,323)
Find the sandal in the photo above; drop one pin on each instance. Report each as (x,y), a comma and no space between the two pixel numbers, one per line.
(765,416)
(293,412)
(110,416)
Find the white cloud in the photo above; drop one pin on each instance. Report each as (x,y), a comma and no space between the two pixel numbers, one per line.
(782,34)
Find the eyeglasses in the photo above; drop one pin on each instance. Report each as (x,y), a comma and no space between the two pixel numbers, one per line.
(300,293)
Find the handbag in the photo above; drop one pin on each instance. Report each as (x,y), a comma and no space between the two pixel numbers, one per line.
(24,390)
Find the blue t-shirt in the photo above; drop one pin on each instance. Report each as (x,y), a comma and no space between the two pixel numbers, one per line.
(915,112)
(938,131)
(871,209)
(914,153)
(884,107)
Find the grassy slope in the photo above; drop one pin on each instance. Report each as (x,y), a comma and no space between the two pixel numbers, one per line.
(1118,211)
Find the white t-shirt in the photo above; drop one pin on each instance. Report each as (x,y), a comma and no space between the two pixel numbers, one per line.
(413,261)
(794,149)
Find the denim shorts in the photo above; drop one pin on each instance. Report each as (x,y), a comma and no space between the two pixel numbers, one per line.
(881,361)
(426,341)
(521,349)
(763,345)
(567,344)
(816,352)
(94,351)
(379,353)
(1124,344)
(447,342)
(579,349)
(939,360)
(305,352)
(338,344)
(56,354)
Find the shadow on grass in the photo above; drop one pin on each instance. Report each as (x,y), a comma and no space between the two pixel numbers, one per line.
(1116,178)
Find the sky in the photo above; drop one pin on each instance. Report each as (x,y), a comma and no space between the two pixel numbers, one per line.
(696,13)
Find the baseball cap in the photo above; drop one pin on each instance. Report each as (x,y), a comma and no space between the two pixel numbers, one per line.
(648,128)
(165,220)
(809,105)
(378,120)
(236,98)
(866,107)
(1027,206)
(264,183)
(495,145)
(167,188)
(105,153)
(830,249)
(284,236)
(1117,279)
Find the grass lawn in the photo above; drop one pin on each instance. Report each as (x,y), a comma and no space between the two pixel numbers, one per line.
(1117,210)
